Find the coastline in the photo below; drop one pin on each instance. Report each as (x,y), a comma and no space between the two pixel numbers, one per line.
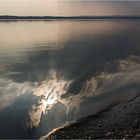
(120,122)
(61,18)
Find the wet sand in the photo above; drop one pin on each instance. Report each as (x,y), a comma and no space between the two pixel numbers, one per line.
(119,122)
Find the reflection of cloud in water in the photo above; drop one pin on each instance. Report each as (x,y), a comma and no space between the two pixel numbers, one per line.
(10,90)
(88,71)
(104,90)
(56,96)
(49,93)
(100,91)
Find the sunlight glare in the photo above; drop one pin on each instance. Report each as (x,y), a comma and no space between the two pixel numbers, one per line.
(50,101)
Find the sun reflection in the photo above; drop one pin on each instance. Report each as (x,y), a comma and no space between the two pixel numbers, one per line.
(50,101)
(49,93)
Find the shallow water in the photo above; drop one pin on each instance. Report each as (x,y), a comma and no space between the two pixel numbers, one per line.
(55,72)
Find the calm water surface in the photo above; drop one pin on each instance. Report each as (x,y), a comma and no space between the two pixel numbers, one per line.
(56,72)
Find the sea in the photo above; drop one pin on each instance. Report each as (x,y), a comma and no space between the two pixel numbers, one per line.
(54,73)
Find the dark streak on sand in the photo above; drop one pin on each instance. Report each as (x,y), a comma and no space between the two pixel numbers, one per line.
(121,121)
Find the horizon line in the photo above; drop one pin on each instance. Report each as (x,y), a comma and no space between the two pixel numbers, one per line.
(80,17)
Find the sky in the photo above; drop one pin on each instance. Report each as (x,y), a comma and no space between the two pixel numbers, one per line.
(68,8)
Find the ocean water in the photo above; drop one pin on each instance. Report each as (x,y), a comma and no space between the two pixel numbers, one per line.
(55,72)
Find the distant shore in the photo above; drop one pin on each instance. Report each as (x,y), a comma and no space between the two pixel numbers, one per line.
(38,18)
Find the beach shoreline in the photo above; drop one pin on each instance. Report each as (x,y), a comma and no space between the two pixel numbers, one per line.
(120,122)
